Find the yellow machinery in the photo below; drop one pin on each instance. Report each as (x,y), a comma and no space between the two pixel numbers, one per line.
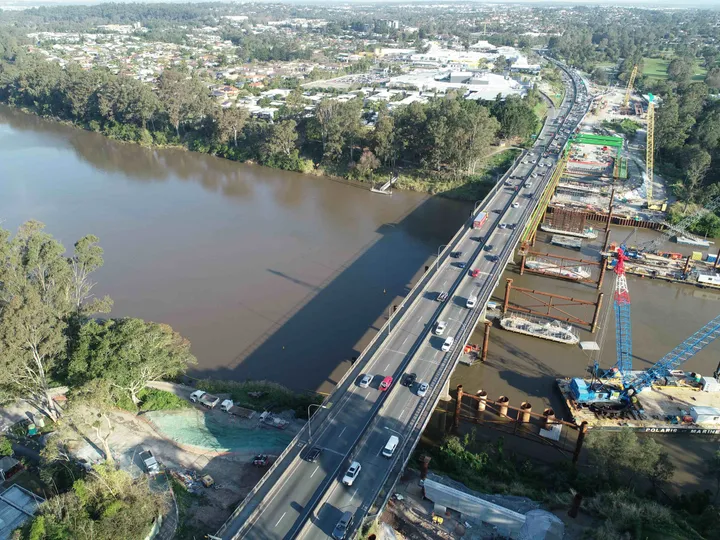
(650,150)
(629,88)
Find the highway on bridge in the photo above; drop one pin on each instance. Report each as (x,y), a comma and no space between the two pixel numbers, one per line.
(303,499)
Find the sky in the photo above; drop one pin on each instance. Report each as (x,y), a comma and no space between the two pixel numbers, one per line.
(715,4)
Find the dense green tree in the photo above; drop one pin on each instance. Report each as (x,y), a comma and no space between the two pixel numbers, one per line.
(128,353)
(106,504)
(516,118)
(712,79)
(282,139)
(228,122)
(41,291)
(384,138)
(680,70)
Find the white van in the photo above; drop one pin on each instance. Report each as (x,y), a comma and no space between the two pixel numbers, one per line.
(390,447)
(471,301)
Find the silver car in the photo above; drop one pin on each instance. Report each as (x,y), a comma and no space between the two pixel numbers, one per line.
(365,381)
(422,389)
(352,473)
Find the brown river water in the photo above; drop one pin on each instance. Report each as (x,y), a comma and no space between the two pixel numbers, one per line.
(269,274)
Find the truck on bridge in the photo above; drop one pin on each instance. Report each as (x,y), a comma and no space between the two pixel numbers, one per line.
(480,219)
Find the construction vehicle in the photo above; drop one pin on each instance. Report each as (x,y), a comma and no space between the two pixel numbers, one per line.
(619,386)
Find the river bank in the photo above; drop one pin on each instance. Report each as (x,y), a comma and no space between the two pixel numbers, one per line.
(464,188)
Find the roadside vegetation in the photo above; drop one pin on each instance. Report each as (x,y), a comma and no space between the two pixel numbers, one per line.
(262,395)
(622,487)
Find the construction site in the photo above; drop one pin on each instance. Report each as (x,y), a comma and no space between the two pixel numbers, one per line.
(610,164)
(602,182)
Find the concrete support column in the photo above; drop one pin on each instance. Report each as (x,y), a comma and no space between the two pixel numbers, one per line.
(610,210)
(596,315)
(486,341)
(580,441)
(603,269)
(458,408)
(480,404)
(508,287)
(525,409)
(424,466)
(445,394)
(607,242)
(503,404)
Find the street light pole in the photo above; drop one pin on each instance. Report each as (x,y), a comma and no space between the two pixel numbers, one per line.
(310,419)
(437,259)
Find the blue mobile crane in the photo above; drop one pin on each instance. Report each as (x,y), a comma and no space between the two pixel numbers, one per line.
(617,386)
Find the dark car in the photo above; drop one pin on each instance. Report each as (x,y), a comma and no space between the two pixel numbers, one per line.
(313,454)
(409,379)
(456,254)
(461,264)
(493,258)
(488,247)
(341,529)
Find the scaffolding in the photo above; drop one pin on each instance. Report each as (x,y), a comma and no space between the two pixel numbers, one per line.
(566,220)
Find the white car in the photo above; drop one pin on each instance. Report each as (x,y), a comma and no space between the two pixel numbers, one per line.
(365,381)
(422,389)
(352,473)
(448,344)
(516,205)
(503,226)
(440,328)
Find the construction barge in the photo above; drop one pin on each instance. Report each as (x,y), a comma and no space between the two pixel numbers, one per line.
(540,328)
(566,241)
(573,273)
(587,233)
(684,403)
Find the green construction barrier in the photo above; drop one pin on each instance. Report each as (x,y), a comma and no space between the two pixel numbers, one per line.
(598,140)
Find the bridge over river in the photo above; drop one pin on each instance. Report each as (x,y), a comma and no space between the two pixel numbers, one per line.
(299,498)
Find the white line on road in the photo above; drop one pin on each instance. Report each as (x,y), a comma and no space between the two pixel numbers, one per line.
(343,431)
(279,520)
(404,340)
(316,470)
(353,496)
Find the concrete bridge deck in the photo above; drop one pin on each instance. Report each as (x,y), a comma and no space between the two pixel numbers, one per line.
(301,499)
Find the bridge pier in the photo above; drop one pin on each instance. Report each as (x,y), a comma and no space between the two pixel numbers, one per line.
(445,394)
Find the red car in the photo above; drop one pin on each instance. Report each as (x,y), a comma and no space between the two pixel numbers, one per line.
(387,381)
(475,273)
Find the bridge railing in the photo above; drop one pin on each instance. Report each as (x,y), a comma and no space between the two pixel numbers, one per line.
(354,371)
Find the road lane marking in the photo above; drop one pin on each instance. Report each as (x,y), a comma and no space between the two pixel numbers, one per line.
(404,340)
(316,470)
(387,367)
(343,431)
(353,496)
(279,520)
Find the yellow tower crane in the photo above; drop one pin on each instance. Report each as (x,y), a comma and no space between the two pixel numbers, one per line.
(650,149)
(629,88)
